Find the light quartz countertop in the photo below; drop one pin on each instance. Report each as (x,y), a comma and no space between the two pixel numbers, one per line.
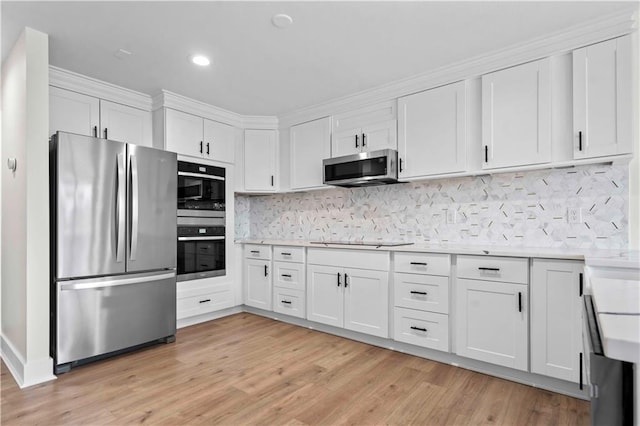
(592,257)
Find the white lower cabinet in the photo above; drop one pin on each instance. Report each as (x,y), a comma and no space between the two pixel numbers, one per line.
(289,281)
(426,329)
(289,302)
(353,298)
(422,292)
(492,322)
(201,297)
(556,319)
(257,276)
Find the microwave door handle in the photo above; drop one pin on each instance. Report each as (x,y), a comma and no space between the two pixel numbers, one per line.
(120,208)
(134,208)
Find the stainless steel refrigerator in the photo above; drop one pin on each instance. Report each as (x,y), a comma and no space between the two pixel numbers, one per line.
(113,247)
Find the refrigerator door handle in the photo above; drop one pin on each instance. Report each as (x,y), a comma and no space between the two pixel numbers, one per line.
(94,283)
(120,208)
(134,208)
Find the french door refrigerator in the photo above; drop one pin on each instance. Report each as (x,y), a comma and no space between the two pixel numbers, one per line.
(113,247)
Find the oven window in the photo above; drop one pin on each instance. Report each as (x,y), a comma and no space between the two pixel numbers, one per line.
(195,193)
(200,256)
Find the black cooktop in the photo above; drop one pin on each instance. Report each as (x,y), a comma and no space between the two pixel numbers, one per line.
(363,243)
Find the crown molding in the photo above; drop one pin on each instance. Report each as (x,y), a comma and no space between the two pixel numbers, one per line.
(172,100)
(260,122)
(70,80)
(552,44)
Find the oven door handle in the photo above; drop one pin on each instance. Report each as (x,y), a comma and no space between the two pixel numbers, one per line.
(198,175)
(200,238)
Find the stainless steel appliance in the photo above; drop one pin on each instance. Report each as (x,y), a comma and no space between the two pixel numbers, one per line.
(201,247)
(201,190)
(364,169)
(113,226)
(610,380)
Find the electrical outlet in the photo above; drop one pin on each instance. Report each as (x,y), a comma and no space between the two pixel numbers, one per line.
(574,214)
(451,216)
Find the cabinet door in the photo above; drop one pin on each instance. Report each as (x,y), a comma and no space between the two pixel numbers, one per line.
(219,139)
(366,301)
(516,116)
(125,124)
(491,324)
(346,143)
(602,93)
(431,132)
(310,144)
(260,160)
(380,136)
(257,285)
(73,112)
(183,133)
(556,325)
(325,295)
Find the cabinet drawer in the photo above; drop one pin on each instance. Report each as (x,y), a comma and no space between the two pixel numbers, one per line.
(288,254)
(422,263)
(257,251)
(289,275)
(424,329)
(347,258)
(219,297)
(490,268)
(422,292)
(290,302)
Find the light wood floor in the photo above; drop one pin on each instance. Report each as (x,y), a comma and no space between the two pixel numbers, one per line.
(245,369)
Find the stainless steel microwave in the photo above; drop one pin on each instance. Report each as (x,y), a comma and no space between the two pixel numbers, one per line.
(364,169)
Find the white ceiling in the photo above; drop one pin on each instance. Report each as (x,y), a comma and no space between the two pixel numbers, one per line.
(333,49)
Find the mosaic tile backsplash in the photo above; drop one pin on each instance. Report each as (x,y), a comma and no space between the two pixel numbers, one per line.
(519,209)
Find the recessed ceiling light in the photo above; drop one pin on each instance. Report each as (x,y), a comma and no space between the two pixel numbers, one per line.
(201,60)
(281,20)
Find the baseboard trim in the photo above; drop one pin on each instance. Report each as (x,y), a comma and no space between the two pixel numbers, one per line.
(186,322)
(24,373)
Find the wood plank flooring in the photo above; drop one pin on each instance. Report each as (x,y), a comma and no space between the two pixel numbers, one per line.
(245,369)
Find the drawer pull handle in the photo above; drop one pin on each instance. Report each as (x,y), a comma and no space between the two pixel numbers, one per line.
(422,293)
(205,301)
(286,275)
(419,329)
(418,263)
(286,302)
(488,269)
(255,251)
(285,254)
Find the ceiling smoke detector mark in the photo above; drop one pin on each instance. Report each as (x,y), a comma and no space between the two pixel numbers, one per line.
(281,21)
(122,54)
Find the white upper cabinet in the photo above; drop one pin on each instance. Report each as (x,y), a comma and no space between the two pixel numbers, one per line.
(310,144)
(602,99)
(124,123)
(87,115)
(431,132)
(73,112)
(199,137)
(516,116)
(260,153)
(363,130)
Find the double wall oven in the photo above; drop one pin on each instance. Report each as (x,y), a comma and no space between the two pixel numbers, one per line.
(201,221)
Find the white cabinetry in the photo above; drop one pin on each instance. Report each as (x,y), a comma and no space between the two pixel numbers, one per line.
(602,99)
(354,297)
(516,116)
(421,299)
(492,314)
(289,287)
(188,134)
(74,112)
(432,132)
(202,296)
(257,276)
(556,322)
(364,130)
(310,144)
(260,154)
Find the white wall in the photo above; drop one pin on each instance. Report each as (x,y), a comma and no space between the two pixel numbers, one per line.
(25,210)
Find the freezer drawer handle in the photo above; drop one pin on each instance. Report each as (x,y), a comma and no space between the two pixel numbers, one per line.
(419,329)
(205,301)
(100,283)
(488,269)
(418,263)
(422,293)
